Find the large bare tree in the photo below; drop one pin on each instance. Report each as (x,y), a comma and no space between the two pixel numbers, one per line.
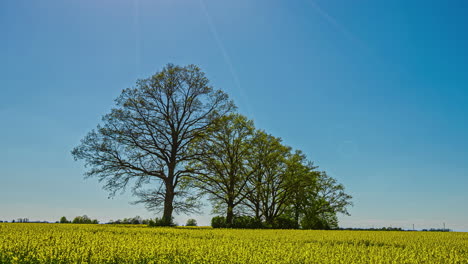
(147,136)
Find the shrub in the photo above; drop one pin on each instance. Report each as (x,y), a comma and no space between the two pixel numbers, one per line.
(237,222)
(324,221)
(285,222)
(246,222)
(161,222)
(84,220)
(81,220)
(191,222)
(218,222)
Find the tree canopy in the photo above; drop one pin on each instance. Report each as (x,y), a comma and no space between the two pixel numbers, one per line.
(223,172)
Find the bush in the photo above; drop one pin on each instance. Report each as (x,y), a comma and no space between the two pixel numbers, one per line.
(325,221)
(84,220)
(191,222)
(161,222)
(284,222)
(246,222)
(81,220)
(218,222)
(135,221)
(237,222)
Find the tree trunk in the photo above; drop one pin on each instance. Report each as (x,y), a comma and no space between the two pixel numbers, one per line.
(230,214)
(168,204)
(296,214)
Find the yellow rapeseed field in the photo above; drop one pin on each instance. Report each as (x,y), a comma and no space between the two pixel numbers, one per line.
(69,243)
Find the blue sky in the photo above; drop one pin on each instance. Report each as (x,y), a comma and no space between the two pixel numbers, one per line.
(373,91)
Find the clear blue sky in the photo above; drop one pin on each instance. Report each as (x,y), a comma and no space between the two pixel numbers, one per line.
(374,92)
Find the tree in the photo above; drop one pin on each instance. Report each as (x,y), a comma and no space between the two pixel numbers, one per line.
(330,196)
(302,178)
(135,220)
(325,221)
(82,220)
(64,220)
(223,172)
(146,137)
(268,192)
(323,202)
(191,222)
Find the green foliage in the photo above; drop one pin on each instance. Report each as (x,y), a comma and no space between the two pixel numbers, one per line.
(130,221)
(218,222)
(84,220)
(267,192)
(324,221)
(285,222)
(63,220)
(238,222)
(223,172)
(247,222)
(161,222)
(283,191)
(191,222)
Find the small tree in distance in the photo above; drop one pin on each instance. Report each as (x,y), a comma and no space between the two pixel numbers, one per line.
(84,220)
(191,222)
(64,220)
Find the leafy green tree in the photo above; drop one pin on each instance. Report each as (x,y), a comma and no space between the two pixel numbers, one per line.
(284,222)
(302,179)
(146,137)
(324,221)
(324,202)
(82,220)
(136,220)
(191,222)
(218,222)
(64,220)
(268,191)
(222,173)
(161,222)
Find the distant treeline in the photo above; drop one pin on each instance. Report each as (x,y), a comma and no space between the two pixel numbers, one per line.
(220,222)
(22,220)
(79,220)
(137,220)
(395,229)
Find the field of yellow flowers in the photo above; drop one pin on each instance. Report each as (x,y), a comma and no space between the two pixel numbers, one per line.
(69,243)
